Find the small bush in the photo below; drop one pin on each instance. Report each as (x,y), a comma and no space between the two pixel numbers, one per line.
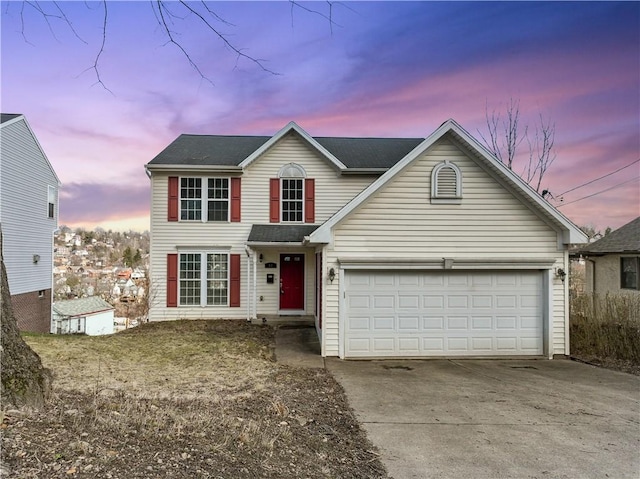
(606,326)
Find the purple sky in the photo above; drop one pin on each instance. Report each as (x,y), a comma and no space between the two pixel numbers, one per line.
(384,69)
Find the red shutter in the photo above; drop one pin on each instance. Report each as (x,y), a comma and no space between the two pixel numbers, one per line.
(235,200)
(173,199)
(234,281)
(309,200)
(274,200)
(172,280)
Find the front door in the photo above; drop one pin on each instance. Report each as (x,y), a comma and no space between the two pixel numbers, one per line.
(292,281)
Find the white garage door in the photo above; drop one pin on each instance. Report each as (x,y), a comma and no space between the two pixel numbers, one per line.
(414,314)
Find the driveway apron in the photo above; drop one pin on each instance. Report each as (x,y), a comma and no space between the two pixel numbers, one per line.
(496,418)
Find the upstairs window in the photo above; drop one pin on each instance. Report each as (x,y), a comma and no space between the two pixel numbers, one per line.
(215,191)
(292,178)
(51,202)
(446,183)
(629,267)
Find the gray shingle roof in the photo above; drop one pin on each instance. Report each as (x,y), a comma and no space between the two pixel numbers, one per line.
(214,150)
(8,116)
(280,233)
(78,307)
(625,239)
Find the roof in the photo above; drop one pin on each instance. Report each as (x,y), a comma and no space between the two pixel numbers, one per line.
(570,232)
(4,117)
(239,151)
(81,306)
(625,239)
(278,233)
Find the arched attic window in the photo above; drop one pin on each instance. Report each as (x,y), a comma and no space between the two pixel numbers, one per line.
(292,170)
(446,183)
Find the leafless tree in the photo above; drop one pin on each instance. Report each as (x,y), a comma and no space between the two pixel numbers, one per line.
(168,14)
(505,135)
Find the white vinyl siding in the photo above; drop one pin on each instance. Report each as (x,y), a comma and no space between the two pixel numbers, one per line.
(331,193)
(27,185)
(400,222)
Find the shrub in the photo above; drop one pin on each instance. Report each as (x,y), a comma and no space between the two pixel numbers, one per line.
(606,326)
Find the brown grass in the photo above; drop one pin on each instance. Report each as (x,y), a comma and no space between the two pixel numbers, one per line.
(606,328)
(184,399)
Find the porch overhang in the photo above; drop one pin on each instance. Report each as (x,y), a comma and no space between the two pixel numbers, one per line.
(279,235)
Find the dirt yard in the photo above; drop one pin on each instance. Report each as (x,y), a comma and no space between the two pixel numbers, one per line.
(184,399)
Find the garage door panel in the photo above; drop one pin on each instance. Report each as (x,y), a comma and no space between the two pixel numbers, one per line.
(443,313)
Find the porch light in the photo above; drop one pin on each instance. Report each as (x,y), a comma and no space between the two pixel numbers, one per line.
(260,257)
(332,274)
(560,273)
(36,258)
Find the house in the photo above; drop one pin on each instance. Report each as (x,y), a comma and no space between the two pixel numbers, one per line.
(28,216)
(613,262)
(92,316)
(396,247)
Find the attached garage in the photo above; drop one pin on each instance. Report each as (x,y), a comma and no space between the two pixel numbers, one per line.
(443,313)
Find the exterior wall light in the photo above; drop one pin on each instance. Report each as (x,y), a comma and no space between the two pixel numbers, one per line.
(36,258)
(332,274)
(560,273)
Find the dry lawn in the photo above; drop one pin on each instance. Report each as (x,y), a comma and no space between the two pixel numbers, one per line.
(180,400)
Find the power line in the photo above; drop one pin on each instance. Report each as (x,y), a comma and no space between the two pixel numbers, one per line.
(593,181)
(603,191)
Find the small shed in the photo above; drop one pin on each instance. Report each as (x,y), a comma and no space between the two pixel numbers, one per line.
(92,316)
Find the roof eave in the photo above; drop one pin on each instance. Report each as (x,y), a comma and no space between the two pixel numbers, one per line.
(194,168)
(364,171)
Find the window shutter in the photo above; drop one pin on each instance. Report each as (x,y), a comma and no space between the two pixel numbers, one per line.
(309,200)
(172,280)
(274,200)
(235,200)
(234,281)
(446,183)
(173,199)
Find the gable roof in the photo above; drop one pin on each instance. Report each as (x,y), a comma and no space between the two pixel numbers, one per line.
(625,239)
(7,119)
(344,154)
(81,306)
(570,232)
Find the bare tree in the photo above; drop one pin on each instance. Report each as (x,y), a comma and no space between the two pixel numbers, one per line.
(168,14)
(505,135)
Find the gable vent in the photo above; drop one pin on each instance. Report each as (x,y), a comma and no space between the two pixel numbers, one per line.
(446,183)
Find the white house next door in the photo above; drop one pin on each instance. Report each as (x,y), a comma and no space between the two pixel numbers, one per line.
(443,313)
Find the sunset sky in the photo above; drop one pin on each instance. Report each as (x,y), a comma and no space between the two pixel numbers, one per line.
(382,69)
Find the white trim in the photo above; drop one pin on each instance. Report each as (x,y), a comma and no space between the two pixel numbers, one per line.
(342,307)
(204,277)
(292,126)
(282,200)
(547,291)
(204,199)
(435,197)
(194,168)
(570,232)
(567,306)
(439,263)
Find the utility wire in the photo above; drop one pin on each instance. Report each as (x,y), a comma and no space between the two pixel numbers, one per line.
(603,191)
(593,181)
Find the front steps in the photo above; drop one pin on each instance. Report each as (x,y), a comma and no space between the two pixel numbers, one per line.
(284,320)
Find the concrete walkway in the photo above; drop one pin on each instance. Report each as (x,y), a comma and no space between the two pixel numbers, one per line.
(487,419)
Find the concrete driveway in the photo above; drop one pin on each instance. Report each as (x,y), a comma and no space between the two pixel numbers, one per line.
(496,418)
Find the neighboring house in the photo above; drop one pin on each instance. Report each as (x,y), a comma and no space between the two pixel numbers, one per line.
(92,316)
(613,262)
(28,217)
(397,247)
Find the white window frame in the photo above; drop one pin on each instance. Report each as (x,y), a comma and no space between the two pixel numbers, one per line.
(51,201)
(295,172)
(435,196)
(636,261)
(205,199)
(204,278)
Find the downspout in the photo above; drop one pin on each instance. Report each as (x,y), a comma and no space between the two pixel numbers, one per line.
(248,251)
(255,286)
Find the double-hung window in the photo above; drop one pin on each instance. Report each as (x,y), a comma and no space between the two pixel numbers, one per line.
(629,267)
(51,202)
(204,279)
(292,200)
(215,191)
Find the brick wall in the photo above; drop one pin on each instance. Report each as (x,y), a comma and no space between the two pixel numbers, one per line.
(33,311)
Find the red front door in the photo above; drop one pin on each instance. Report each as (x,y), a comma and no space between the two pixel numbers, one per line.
(292,281)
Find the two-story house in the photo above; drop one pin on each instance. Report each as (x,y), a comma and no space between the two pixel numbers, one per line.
(28,217)
(397,247)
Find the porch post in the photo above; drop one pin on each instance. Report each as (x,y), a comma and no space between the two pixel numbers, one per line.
(255,285)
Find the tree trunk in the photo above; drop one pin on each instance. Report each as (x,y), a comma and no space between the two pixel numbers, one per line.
(25,382)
